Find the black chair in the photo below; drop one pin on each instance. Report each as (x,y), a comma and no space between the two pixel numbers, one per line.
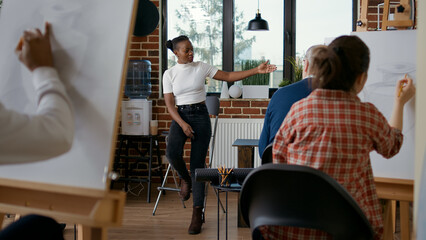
(300,196)
(267,154)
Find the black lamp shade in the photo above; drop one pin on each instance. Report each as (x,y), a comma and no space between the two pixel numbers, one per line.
(258,24)
(146,19)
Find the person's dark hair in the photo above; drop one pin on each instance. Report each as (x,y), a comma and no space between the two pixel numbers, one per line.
(337,65)
(172,44)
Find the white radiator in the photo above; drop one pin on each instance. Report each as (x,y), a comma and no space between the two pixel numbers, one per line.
(228,130)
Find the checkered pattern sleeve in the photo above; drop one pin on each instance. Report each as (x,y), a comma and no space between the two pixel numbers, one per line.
(292,233)
(387,140)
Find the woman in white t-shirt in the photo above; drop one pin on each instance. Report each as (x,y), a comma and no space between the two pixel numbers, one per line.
(183,86)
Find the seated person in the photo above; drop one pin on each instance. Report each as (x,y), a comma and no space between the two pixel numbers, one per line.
(281,102)
(30,138)
(333,131)
(33,227)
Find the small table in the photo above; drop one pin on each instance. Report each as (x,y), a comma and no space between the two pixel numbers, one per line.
(131,141)
(232,188)
(245,151)
(245,160)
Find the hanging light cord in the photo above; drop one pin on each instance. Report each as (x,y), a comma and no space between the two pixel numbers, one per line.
(258,7)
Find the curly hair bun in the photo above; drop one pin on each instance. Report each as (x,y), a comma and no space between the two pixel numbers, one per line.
(169,45)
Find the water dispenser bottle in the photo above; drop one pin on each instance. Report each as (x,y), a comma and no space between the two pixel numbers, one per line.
(138,80)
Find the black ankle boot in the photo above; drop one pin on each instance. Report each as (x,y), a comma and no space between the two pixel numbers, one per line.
(197,220)
(185,189)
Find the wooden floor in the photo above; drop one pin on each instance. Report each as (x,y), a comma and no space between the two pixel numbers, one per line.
(171,220)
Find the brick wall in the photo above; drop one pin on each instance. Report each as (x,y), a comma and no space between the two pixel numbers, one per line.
(147,48)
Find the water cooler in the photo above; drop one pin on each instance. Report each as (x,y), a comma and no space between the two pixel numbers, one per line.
(136,112)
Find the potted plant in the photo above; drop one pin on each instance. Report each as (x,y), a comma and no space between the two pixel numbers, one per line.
(256,86)
(297,66)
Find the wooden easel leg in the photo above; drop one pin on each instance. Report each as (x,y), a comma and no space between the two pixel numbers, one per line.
(91,233)
(364,17)
(1,220)
(385,15)
(387,221)
(404,213)
(394,215)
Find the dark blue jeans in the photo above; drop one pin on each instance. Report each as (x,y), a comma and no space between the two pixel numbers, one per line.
(198,117)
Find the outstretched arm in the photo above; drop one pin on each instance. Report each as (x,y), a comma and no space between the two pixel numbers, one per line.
(235,76)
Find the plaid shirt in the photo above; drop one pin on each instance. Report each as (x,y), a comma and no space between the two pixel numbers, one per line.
(333,131)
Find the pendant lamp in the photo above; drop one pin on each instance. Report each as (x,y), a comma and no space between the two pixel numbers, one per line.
(258,24)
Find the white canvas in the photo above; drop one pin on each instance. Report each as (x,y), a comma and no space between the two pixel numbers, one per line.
(89,40)
(393,54)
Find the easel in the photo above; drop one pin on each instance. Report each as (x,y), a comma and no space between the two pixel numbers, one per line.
(401,20)
(402,16)
(94,210)
(393,190)
(362,23)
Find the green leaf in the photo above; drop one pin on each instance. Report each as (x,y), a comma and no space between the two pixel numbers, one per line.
(258,79)
(297,66)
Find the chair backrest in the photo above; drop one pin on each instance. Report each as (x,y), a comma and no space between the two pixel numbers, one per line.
(300,196)
(213,107)
(267,154)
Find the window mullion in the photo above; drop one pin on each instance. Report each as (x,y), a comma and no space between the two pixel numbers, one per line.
(228,36)
(289,35)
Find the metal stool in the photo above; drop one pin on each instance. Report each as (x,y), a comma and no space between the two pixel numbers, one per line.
(163,188)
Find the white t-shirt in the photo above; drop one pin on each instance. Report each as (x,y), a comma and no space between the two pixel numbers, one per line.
(46,134)
(186,81)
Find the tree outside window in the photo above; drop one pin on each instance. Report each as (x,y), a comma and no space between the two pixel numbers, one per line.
(201,21)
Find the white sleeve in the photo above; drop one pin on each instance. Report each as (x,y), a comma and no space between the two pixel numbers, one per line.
(209,69)
(48,133)
(167,82)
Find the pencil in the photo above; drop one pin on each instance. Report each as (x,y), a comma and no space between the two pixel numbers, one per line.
(402,85)
(21,43)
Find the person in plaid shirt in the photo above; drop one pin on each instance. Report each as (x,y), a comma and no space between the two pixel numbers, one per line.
(333,131)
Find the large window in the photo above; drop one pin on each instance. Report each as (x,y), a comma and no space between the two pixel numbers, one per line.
(259,45)
(202,21)
(318,20)
(218,31)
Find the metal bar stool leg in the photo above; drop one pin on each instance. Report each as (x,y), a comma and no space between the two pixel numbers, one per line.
(163,188)
(149,170)
(160,189)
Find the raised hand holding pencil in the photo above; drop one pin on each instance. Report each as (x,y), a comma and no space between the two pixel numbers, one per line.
(405,90)
(401,86)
